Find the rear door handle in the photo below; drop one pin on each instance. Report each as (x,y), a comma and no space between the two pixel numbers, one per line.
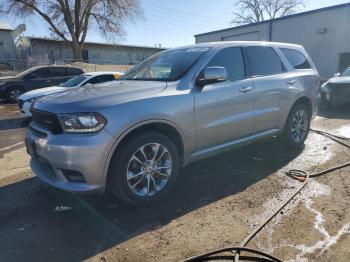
(245,89)
(48,81)
(291,82)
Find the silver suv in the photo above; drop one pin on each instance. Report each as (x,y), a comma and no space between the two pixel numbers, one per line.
(131,137)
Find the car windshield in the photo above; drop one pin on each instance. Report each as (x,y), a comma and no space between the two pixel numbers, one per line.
(166,66)
(26,72)
(74,81)
(346,72)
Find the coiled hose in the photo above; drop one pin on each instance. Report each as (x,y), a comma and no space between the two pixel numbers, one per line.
(300,175)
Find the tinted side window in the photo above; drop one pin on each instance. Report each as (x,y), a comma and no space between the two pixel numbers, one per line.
(263,61)
(109,78)
(231,58)
(98,79)
(74,71)
(295,58)
(42,73)
(58,71)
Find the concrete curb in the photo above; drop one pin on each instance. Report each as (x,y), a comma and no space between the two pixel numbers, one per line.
(13,123)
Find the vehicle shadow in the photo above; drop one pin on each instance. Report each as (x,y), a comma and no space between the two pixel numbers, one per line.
(95,224)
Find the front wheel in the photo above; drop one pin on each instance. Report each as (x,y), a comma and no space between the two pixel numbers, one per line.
(297,127)
(13,93)
(144,169)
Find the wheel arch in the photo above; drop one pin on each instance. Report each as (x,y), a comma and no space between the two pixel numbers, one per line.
(12,86)
(164,127)
(301,100)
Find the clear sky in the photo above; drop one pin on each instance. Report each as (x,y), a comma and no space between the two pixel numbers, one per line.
(168,22)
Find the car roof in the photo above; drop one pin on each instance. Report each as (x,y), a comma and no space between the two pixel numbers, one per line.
(49,66)
(102,73)
(242,43)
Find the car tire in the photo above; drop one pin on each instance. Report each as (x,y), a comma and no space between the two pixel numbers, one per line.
(134,178)
(297,127)
(12,94)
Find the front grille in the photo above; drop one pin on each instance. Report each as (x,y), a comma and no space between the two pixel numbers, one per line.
(47,120)
(20,103)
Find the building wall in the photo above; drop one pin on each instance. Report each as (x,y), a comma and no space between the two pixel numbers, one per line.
(238,34)
(324,34)
(7,47)
(49,52)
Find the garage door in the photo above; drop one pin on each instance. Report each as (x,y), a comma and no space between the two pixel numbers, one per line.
(251,36)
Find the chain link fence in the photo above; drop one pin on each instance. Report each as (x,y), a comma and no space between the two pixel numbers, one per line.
(14,66)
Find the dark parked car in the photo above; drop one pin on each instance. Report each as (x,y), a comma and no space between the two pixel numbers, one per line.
(336,91)
(37,77)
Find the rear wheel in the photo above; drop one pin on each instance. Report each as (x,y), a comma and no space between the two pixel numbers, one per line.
(13,93)
(144,169)
(297,127)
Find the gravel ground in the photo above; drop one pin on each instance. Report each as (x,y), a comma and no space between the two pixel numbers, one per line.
(215,203)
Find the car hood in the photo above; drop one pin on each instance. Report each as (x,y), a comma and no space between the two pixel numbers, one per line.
(339,80)
(42,92)
(9,79)
(94,97)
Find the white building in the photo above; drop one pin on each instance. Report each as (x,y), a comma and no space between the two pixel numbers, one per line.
(7,44)
(325,34)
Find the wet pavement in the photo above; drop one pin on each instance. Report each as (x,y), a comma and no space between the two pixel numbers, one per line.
(215,203)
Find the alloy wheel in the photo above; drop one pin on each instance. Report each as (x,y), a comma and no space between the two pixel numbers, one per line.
(299,126)
(149,169)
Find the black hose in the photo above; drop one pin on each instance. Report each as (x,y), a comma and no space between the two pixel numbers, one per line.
(300,175)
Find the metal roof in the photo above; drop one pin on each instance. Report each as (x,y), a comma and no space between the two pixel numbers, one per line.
(5,26)
(279,18)
(94,43)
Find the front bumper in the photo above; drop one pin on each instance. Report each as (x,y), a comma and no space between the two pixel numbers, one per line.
(52,156)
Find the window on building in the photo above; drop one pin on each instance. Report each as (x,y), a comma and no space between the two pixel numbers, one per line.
(232,60)
(295,58)
(263,61)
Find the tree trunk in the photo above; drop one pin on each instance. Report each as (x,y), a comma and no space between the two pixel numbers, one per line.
(77,52)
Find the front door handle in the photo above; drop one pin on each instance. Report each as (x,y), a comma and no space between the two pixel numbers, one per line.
(245,89)
(291,82)
(48,81)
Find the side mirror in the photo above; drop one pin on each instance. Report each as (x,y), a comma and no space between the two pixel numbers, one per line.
(213,74)
(337,74)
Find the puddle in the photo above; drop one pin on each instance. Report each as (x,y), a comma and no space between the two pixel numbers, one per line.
(314,189)
(343,131)
(318,150)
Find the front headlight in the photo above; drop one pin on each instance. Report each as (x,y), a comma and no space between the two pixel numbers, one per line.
(2,83)
(82,122)
(325,89)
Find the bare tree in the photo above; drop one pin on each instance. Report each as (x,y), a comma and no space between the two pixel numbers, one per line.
(70,20)
(253,11)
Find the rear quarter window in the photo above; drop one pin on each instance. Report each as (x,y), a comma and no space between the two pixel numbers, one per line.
(58,71)
(296,58)
(263,61)
(74,71)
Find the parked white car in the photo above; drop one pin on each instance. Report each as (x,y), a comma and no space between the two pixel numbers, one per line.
(25,100)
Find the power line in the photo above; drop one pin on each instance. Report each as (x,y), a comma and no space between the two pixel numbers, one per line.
(156,30)
(181,24)
(183,13)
